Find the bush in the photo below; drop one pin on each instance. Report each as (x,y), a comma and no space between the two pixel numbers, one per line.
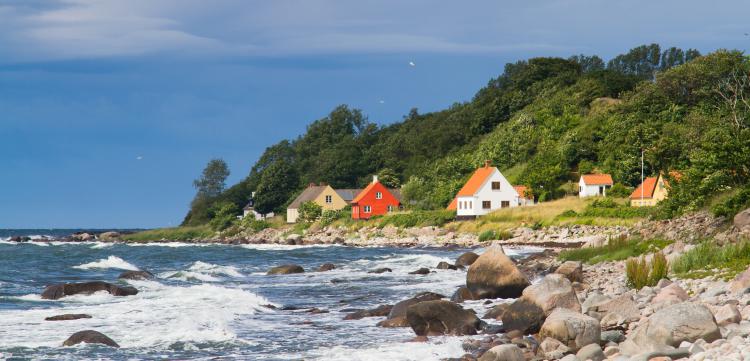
(309,211)
(733,204)
(224,215)
(172,234)
(417,219)
(620,190)
(641,273)
(732,258)
(491,235)
(616,250)
(569,213)
(330,216)
(608,208)
(603,203)
(255,225)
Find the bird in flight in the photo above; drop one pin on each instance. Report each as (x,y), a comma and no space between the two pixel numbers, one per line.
(411,63)
(139,157)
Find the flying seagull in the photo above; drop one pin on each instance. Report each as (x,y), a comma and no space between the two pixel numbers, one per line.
(139,157)
(382,101)
(411,63)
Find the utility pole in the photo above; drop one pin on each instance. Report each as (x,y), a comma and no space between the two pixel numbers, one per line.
(642,185)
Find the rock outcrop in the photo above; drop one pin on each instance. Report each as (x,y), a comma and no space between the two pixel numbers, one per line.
(573,329)
(136,275)
(397,316)
(432,318)
(494,275)
(286,269)
(89,336)
(58,291)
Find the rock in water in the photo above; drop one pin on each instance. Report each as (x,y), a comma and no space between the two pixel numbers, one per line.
(381,270)
(136,275)
(397,316)
(524,316)
(58,291)
(433,318)
(382,310)
(421,271)
(89,336)
(67,317)
(286,269)
(466,259)
(497,311)
(462,294)
(503,353)
(326,267)
(573,329)
(446,265)
(671,326)
(572,270)
(494,275)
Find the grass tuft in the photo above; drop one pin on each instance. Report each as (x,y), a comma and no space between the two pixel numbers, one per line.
(641,273)
(616,250)
(172,234)
(729,260)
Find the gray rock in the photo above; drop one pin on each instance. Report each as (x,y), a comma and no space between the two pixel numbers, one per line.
(433,318)
(572,270)
(727,314)
(742,220)
(673,354)
(503,353)
(591,352)
(616,336)
(494,275)
(573,329)
(285,269)
(89,336)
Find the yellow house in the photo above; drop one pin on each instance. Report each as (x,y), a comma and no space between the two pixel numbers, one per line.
(650,192)
(323,195)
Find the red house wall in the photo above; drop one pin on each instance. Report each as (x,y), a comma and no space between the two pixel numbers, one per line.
(379,206)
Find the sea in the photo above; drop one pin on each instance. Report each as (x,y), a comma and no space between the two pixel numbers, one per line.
(209,302)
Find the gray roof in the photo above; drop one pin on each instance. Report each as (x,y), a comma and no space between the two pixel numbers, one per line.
(396,193)
(309,194)
(348,194)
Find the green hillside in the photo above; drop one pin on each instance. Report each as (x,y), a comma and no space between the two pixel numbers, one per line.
(542,121)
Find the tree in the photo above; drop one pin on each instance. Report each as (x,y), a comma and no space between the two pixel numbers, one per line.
(389,178)
(224,215)
(642,61)
(588,63)
(277,183)
(212,181)
(310,211)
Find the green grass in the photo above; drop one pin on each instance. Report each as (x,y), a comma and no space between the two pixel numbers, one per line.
(617,250)
(416,219)
(490,235)
(641,273)
(700,261)
(171,234)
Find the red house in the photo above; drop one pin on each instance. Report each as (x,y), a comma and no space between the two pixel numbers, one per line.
(375,200)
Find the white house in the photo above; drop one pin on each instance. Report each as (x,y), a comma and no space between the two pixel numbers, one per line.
(594,185)
(486,191)
(250,210)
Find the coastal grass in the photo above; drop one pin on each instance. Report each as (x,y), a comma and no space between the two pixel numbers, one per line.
(171,234)
(617,249)
(641,273)
(711,259)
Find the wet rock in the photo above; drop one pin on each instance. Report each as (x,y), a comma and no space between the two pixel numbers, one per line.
(573,329)
(381,270)
(466,259)
(20,239)
(382,310)
(494,275)
(58,291)
(68,317)
(421,271)
(503,353)
(524,316)
(89,336)
(671,326)
(286,269)
(572,270)
(397,316)
(82,237)
(462,294)
(446,265)
(294,239)
(326,267)
(497,311)
(432,318)
(136,275)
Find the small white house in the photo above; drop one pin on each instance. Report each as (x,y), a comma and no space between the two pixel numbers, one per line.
(249,210)
(486,191)
(594,185)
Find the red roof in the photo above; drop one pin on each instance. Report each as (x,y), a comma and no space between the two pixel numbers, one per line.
(596,179)
(453,205)
(521,190)
(647,187)
(476,181)
(364,192)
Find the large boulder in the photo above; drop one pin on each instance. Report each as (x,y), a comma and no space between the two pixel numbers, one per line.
(670,295)
(572,270)
(494,275)
(573,329)
(286,269)
(382,310)
(508,352)
(432,318)
(742,220)
(136,275)
(466,259)
(527,313)
(741,283)
(89,336)
(110,236)
(397,316)
(462,294)
(58,291)
(617,312)
(671,326)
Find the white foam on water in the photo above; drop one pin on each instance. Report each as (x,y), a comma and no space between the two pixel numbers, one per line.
(437,348)
(215,269)
(203,271)
(188,276)
(102,245)
(170,244)
(284,247)
(109,262)
(157,317)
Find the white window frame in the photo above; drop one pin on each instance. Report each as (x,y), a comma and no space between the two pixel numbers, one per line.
(389,208)
(378,195)
(329,199)
(367,209)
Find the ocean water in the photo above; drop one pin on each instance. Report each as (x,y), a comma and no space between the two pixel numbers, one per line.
(207,302)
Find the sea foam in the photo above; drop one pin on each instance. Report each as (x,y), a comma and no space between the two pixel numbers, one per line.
(109,262)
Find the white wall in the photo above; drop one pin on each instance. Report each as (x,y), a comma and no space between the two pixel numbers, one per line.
(590,190)
(291,215)
(485,193)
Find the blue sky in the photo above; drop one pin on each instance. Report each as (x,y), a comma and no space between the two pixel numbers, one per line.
(109,109)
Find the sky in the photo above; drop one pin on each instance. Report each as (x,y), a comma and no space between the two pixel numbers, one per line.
(110,109)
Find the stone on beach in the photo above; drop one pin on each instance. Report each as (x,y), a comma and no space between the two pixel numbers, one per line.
(573,329)
(572,270)
(439,317)
(503,353)
(494,275)
(55,292)
(538,301)
(397,316)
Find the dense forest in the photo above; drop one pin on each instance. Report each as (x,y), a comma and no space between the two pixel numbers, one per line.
(542,122)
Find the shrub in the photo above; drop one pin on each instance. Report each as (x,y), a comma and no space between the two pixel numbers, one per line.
(616,250)
(309,211)
(224,215)
(255,225)
(603,203)
(487,236)
(490,235)
(734,204)
(608,208)
(620,190)
(641,273)
(330,216)
(569,213)
(732,258)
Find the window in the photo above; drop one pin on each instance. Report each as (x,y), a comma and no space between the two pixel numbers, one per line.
(495,186)
(601,190)
(378,195)
(460,205)
(329,199)
(486,205)
(504,204)
(471,205)
(390,208)
(368,209)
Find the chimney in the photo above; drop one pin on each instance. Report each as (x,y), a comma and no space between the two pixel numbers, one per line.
(487,163)
(375,178)
(311,185)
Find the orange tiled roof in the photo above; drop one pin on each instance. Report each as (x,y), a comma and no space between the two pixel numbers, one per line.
(647,187)
(521,190)
(592,179)
(476,181)
(453,205)
(363,192)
